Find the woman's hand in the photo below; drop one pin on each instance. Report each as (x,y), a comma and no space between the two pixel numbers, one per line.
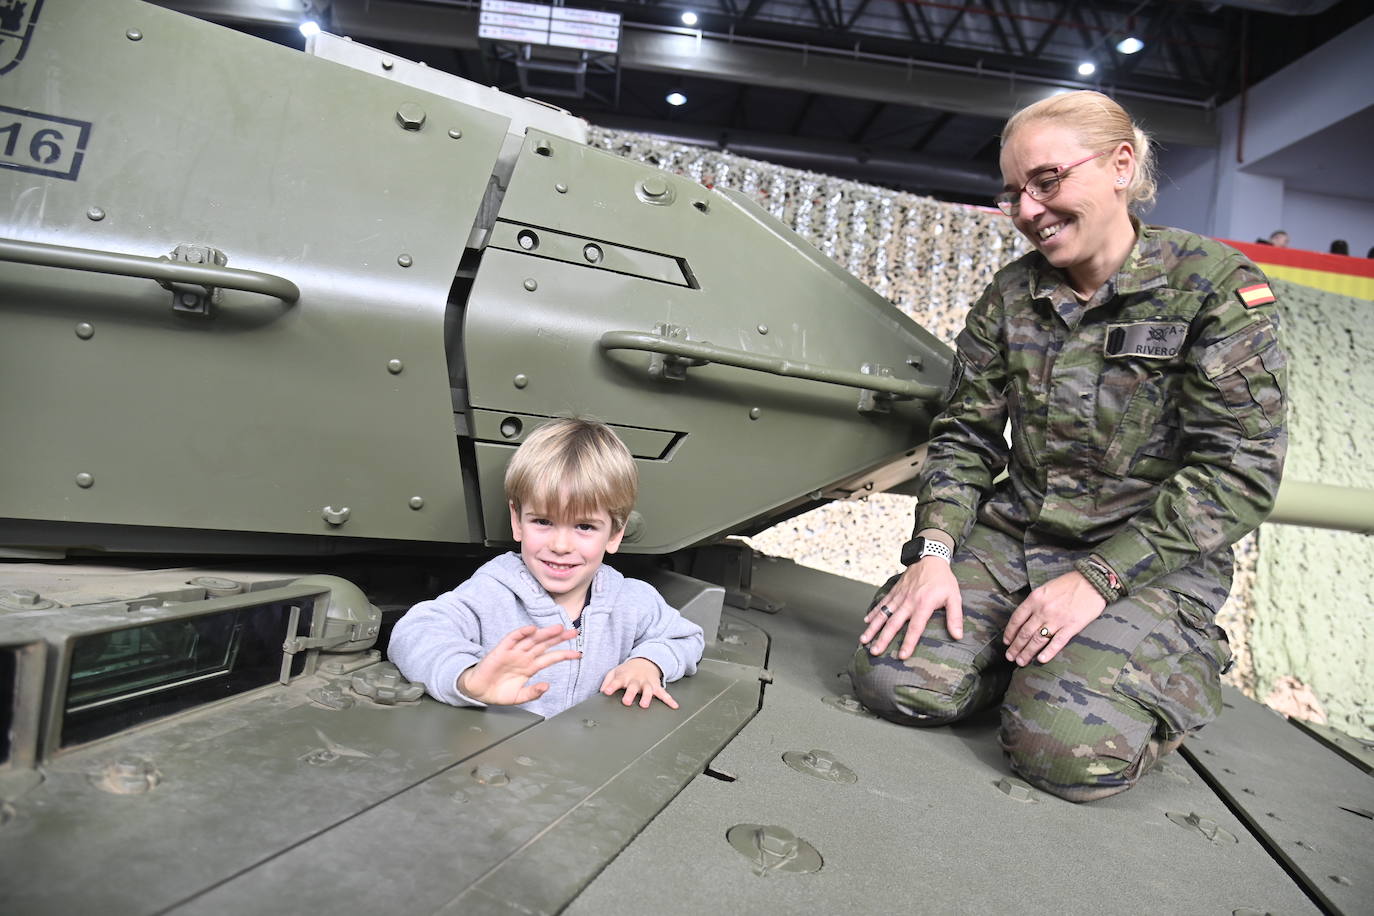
(502,676)
(925,587)
(1062,606)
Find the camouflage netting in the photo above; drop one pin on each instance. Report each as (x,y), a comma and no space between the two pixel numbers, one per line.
(932,260)
(1313,601)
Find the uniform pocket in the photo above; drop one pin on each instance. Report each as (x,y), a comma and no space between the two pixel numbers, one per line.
(1249,381)
(1175,671)
(1020,425)
(1134,401)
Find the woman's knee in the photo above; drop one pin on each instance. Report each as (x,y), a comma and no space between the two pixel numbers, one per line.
(920,690)
(1074,743)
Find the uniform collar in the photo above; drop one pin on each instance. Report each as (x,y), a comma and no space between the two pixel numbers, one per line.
(1144,269)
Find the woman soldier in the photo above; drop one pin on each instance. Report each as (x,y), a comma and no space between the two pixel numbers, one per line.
(1140,370)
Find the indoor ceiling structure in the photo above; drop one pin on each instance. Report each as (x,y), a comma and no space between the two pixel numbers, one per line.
(905,93)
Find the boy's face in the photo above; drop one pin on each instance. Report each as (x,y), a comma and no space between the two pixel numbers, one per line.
(564,554)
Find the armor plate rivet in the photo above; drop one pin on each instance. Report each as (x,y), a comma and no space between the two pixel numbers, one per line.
(491,776)
(95,214)
(763,329)
(335,516)
(754,413)
(395,366)
(133,35)
(521,380)
(417,502)
(405,260)
(85,481)
(561,188)
(387,63)
(530,284)
(455,134)
(410,116)
(85,330)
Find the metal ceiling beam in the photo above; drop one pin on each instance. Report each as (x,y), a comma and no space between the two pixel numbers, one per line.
(936,125)
(1053,26)
(862,129)
(858,11)
(1015,28)
(873,78)
(800,119)
(889,80)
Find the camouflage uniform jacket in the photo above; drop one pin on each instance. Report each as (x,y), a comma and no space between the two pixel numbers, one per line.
(1147,425)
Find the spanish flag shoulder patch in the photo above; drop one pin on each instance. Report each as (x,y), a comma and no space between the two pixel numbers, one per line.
(1259,294)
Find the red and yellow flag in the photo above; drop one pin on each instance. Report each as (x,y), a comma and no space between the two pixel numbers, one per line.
(1334,273)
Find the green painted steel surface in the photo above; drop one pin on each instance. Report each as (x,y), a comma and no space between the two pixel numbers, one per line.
(239,783)
(259,418)
(273,418)
(1313,809)
(1324,506)
(521,827)
(925,828)
(534,326)
(416,806)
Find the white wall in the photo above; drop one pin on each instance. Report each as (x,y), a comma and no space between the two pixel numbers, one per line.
(1313,220)
(1187,175)
(1309,120)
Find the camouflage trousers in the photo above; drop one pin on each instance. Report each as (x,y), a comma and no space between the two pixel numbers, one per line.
(1085,725)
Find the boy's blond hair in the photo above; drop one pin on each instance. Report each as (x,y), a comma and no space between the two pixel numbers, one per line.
(574,467)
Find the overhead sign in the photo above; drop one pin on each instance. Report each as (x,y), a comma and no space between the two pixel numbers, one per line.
(558,26)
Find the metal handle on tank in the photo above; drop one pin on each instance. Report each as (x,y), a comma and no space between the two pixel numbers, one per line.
(158,269)
(710,353)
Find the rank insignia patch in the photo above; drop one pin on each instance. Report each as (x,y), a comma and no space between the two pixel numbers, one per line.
(1259,294)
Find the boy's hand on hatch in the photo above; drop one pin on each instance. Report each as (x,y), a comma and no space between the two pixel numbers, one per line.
(502,677)
(638,677)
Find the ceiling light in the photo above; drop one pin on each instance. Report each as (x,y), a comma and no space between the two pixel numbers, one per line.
(689,18)
(1129,45)
(1087,68)
(676,98)
(310,27)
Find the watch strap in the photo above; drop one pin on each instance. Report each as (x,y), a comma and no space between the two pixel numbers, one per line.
(920,547)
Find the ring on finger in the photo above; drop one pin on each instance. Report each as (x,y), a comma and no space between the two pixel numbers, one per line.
(886,610)
(1045,632)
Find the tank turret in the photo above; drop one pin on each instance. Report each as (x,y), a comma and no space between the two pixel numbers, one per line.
(273,323)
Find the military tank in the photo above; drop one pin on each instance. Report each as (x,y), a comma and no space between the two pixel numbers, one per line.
(273,324)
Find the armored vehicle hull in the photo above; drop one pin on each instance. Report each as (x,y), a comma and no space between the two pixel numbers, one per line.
(273,324)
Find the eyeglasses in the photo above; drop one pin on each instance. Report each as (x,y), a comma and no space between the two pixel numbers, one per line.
(1041,187)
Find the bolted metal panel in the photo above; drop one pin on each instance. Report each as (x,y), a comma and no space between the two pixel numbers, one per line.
(925,804)
(146,820)
(1313,810)
(322,416)
(521,827)
(534,328)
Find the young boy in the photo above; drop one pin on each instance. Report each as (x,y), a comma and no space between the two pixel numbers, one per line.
(570,487)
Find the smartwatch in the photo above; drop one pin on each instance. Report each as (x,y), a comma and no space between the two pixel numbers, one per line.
(919,547)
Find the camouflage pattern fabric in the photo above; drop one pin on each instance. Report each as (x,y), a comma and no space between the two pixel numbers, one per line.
(1148,423)
(1088,724)
(1147,427)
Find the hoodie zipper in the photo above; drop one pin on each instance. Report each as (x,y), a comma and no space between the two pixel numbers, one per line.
(581,641)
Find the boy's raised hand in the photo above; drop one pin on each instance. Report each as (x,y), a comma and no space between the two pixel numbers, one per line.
(502,677)
(637,677)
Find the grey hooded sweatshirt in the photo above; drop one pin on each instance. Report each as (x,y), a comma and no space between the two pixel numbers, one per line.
(438,640)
